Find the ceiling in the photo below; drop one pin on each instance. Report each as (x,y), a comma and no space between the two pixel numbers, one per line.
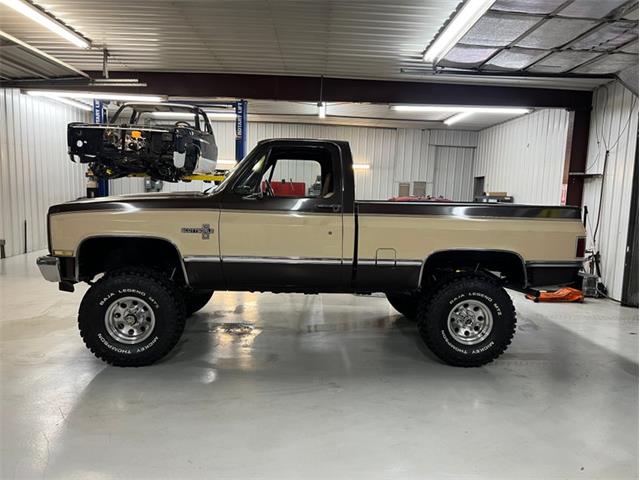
(362,38)
(346,38)
(563,37)
(541,43)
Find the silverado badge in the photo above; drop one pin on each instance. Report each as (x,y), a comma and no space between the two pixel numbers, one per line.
(205,230)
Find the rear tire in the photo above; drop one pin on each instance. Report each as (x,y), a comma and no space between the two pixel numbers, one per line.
(131,318)
(468,322)
(405,303)
(196,299)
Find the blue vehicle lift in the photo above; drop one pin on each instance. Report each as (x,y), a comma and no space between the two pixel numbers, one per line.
(240,109)
(100,116)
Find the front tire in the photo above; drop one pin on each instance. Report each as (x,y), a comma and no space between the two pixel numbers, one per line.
(131,318)
(468,322)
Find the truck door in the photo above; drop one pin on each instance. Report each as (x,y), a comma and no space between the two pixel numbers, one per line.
(281,221)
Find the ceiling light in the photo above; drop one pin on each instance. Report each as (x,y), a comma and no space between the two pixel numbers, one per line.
(221,115)
(457,117)
(95,95)
(459,109)
(322,109)
(466,17)
(226,162)
(361,166)
(190,115)
(184,115)
(35,14)
(73,103)
(114,80)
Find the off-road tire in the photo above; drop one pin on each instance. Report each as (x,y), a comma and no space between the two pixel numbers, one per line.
(196,299)
(152,287)
(433,315)
(405,303)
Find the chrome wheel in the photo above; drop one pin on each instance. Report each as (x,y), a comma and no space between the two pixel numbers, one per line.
(129,320)
(470,322)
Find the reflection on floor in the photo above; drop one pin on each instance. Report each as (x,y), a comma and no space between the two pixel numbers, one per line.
(326,386)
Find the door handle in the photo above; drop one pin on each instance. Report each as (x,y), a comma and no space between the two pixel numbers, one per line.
(335,208)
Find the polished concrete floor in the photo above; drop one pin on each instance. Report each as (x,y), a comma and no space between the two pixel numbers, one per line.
(328,386)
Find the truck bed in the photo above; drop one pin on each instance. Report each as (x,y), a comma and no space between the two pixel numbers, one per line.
(542,238)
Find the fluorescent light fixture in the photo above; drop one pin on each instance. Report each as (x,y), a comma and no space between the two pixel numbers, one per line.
(183,115)
(95,95)
(35,14)
(114,80)
(457,117)
(221,115)
(187,115)
(226,162)
(73,103)
(468,15)
(361,166)
(459,109)
(322,109)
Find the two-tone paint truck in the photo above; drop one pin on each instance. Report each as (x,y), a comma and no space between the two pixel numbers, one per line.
(154,259)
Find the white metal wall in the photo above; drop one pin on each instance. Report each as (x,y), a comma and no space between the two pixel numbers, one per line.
(35,171)
(614,127)
(394,155)
(525,156)
(453,178)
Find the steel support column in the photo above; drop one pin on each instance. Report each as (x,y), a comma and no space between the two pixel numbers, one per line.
(579,144)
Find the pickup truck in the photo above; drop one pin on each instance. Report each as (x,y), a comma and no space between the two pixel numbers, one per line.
(154,259)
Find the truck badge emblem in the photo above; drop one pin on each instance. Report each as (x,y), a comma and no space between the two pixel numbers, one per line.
(205,230)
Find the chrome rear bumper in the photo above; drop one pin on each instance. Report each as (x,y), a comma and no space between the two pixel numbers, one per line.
(49,268)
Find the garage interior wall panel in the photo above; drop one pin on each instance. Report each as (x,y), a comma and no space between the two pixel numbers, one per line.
(614,127)
(525,157)
(35,171)
(453,177)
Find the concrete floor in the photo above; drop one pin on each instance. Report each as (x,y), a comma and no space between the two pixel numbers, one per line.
(329,386)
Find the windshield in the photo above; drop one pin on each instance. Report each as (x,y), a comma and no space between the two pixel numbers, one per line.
(230,173)
(161,115)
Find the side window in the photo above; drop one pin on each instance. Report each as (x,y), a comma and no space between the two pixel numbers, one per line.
(289,173)
(296,178)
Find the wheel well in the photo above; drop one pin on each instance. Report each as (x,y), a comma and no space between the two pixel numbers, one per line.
(102,254)
(509,265)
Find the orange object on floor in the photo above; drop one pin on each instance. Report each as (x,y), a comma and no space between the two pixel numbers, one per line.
(566,294)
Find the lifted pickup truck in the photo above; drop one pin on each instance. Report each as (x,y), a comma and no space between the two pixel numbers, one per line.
(154,259)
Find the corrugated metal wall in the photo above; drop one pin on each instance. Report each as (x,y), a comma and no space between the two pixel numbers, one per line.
(614,127)
(453,178)
(525,156)
(35,171)
(394,155)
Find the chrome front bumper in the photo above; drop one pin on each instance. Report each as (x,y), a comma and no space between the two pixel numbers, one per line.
(49,268)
